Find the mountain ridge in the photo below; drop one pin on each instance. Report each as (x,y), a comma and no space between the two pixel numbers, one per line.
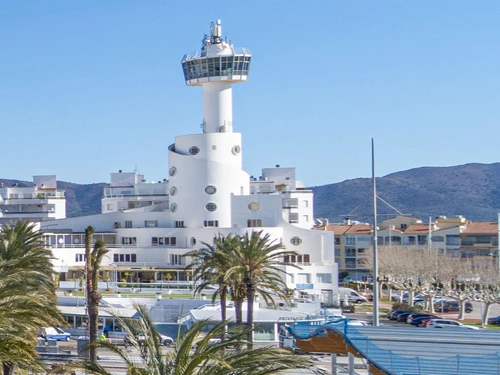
(471,190)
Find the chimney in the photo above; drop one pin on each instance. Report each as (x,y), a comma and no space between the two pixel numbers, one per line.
(347,221)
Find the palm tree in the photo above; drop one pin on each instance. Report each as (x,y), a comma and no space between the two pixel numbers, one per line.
(209,267)
(259,264)
(195,353)
(27,296)
(92,265)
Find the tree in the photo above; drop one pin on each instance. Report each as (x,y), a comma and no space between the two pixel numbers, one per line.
(93,260)
(27,296)
(259,264)
(207,358)
(210,265)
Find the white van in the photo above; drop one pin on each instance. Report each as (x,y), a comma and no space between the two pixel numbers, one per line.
(352,295)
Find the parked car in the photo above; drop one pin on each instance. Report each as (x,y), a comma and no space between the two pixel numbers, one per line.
(394,314)
(403,316)
(416,297)
(449,306)
(55,333)
(448,324)
(418,318)
(351,295)
(494,320)
(163,339)
(425,322)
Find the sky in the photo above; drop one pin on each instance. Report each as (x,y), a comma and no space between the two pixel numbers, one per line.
(90,87)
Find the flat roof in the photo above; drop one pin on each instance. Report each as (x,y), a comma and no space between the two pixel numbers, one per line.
(422,351)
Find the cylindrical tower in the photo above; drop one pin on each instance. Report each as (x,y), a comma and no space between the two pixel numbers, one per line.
(206,169)
(216,68)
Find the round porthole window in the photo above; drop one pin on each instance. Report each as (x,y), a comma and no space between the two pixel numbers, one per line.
(295,241)
(193,241)
(173,207)
(254,206)
(172,171)
(194,150)
(173,190)
(211,206)
(236,150)
(210,189)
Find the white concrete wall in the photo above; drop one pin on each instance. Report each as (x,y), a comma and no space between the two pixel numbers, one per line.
(217,165)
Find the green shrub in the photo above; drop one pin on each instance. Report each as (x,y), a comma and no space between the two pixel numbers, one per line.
(405,306)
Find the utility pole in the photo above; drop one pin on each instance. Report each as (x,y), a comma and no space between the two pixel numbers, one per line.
(375,245)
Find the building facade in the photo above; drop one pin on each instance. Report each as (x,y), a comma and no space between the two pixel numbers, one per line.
(39,202)
(148,227)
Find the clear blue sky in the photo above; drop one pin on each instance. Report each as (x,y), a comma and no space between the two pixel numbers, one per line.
(88,87)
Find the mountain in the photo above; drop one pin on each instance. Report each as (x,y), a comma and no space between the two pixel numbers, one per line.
(471,190)
(81,200)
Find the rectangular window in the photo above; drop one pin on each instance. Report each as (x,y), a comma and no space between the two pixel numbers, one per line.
(128,224)
(175,259)
(154,241)
(150,223)
(350,240)
(325,278)
(306,203)
(133,258)
(173,241)
(254,223)
(452,239)
(211,223)
(179,224)
(286,259)
(127,257)
(122,258)
(110,206)
(306,218)
(115,258)
(129,241)
(307,258)
(350,252)
(299,258)
(161,241)
(303,278)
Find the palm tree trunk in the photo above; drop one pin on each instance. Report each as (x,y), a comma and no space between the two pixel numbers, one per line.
(250,302)
(223,315)
(91,306)
(8,368)
(238,311)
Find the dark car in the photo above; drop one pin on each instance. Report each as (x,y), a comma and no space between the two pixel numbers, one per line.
(494,320)
(393,315)
(453,306)
(419,318)
(403,316)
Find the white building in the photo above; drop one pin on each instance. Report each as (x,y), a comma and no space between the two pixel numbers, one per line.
(149,226)
(39,202)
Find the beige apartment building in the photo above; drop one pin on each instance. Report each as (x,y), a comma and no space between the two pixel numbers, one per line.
(457,237)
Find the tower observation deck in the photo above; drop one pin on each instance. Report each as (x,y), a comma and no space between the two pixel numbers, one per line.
(216,67)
